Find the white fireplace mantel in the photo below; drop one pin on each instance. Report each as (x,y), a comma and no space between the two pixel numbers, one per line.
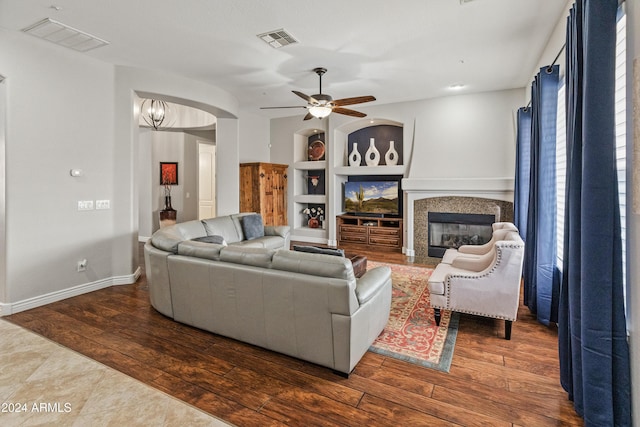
(423,188)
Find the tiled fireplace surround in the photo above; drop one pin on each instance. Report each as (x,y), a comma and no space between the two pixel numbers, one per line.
(479,196)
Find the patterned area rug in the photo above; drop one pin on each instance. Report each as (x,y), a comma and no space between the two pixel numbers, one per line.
(411,333)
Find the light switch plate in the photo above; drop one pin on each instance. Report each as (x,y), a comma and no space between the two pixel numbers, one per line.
(103,204)
(85,205)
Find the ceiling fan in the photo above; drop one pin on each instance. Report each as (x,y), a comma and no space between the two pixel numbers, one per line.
(321,105)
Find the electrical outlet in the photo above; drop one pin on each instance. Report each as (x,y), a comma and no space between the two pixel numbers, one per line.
(82,265)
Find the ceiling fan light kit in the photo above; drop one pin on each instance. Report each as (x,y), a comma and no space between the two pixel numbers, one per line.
(320,111)
(322,105)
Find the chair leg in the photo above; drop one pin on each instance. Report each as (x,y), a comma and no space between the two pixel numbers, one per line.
(507,329)
(436,312)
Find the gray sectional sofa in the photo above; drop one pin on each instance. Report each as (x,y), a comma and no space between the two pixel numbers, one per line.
(309,306)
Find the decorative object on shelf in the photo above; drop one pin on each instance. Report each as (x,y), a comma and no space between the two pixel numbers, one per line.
(313,215)
(316,150)
(354,157)
(314,180)
(372,156)
(156,114)
(168,177)
(391,158)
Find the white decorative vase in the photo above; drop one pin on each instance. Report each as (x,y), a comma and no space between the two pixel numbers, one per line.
(372,156)
(391,158)
(354,156)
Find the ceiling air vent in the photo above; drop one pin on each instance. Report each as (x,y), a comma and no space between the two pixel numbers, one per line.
(277,38)
(64,35)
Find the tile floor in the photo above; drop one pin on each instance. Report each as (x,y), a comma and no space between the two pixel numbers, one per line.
(43,383)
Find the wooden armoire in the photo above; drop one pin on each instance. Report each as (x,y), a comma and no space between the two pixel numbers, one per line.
(263,189)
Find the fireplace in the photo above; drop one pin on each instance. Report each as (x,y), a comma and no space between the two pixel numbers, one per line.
(452,230)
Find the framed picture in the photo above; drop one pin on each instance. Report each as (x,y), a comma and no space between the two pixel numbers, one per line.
(168,173)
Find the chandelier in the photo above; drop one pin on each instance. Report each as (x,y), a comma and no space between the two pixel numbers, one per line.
(155,113)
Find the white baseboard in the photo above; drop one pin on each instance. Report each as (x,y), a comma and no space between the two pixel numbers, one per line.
(29,303)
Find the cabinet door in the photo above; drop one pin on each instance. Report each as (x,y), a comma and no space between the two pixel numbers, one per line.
(279,195)
(249,188)
(266,193)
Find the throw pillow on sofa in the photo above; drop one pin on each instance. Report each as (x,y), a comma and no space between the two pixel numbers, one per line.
(252,226)
(219,240)
(317,250)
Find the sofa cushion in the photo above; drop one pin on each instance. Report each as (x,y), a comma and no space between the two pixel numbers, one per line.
(197,249)
(257,257)
(317,250)
(217,239)
(190,229)
(271,242)
(314,264)
(439,276)
(252,226)
(222,226)
(475,263)
(167,239)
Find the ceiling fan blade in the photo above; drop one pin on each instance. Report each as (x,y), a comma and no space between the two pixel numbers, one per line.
(348,112)
(309,99)
(308,116)
(271,108)
(354,100)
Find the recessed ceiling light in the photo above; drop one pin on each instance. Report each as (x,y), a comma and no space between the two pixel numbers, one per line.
(456,86)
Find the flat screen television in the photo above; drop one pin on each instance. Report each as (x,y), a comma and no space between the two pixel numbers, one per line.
(377,198)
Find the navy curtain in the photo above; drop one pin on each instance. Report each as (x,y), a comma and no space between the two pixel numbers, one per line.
(541,279)
(594,354)
(523,162)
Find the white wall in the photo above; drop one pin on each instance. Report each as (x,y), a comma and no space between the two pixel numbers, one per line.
(227,167)
(59,116)
(466,136)
(553,48)
(3,246)
(66,110)
(254,137)
(146,201)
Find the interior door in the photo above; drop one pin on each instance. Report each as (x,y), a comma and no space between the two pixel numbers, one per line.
(206,181)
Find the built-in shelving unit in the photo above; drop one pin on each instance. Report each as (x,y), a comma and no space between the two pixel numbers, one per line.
(308,171)
(369,170)
(387,234)
(370,232)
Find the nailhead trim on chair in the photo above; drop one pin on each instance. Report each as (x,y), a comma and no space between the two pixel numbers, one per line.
(466,276)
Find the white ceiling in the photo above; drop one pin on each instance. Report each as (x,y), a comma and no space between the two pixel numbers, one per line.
(394,50)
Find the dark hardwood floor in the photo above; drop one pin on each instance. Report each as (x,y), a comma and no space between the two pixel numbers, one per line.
(492,381)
